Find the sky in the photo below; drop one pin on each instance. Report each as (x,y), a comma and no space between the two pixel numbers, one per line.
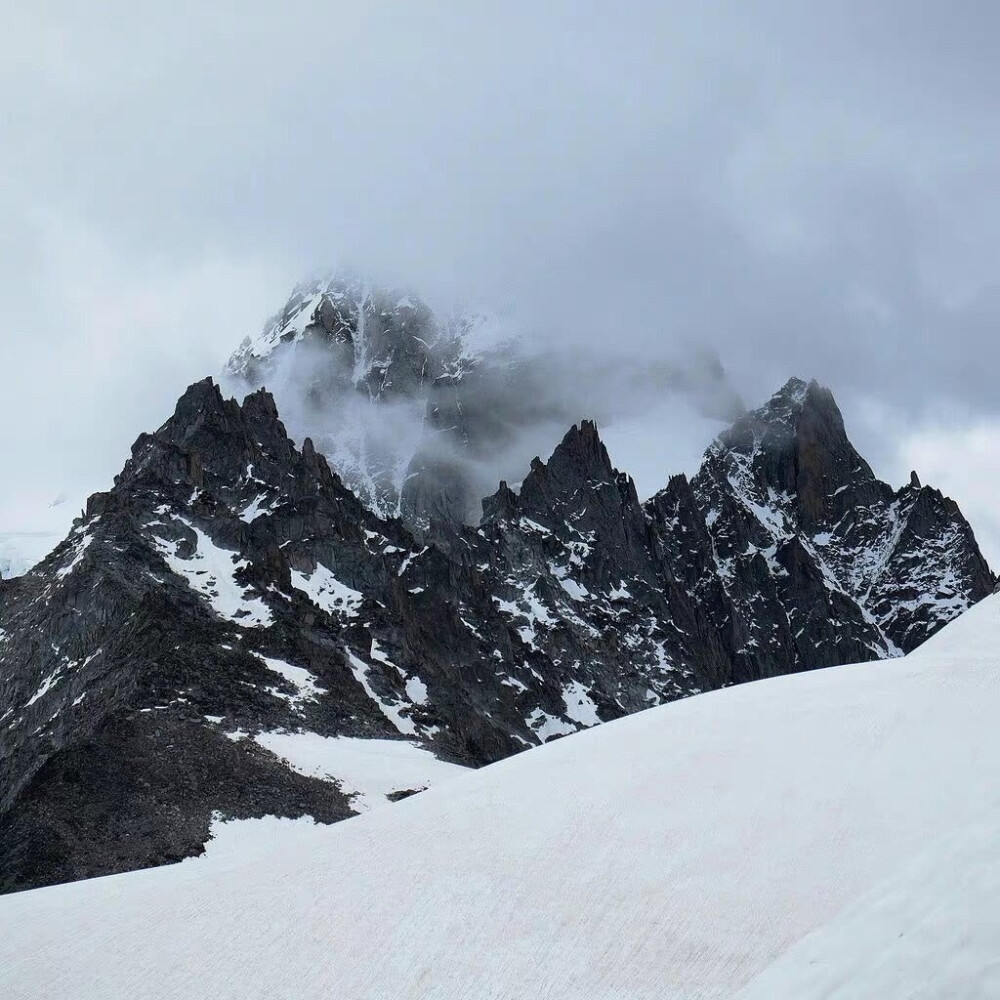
(802,189)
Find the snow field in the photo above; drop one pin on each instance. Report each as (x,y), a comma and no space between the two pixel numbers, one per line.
(830,834)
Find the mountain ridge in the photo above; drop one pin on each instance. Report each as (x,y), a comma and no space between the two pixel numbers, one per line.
(230,609)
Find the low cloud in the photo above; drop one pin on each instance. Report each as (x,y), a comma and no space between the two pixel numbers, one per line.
(515,397)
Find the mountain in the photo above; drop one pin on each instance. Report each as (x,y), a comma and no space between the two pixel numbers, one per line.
(800,523)
(421,414)
(342,351)
(230,632)
(188,605)
(829,834)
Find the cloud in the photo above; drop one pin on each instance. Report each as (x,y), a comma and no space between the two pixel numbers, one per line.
(468,402)
(100,352)
(800,189)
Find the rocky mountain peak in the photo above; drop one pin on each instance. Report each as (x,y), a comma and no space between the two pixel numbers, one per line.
(786,496)
(797,401)
(576,503)
(578,485)
(210,439)
(378,340)
(421,413)
(795,446)
(201,418)
(501,506)
(579,462)
(378,382)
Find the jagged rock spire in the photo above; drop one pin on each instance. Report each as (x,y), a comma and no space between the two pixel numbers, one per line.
(788,471)
(796,445)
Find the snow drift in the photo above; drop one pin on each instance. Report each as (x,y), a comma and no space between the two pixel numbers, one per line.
(829,834)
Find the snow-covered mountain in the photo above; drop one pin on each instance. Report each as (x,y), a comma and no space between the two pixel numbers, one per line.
(422,414)
(860,569)
(230,631)
(31,526)
(389,393)
(829,834)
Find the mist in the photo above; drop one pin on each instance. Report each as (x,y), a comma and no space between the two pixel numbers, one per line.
(424,415)
(794,190)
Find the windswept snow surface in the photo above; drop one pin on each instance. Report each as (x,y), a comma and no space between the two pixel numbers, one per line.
(834,834)
(368,770)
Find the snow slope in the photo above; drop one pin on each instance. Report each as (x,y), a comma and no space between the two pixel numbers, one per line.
(20,550)
(33,522)
(830,834)
(368,770)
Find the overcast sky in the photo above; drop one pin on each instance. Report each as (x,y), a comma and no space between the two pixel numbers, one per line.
(805,189)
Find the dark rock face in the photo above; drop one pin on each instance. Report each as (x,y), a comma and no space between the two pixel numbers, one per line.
(230,593)
(178,614)
(793,510)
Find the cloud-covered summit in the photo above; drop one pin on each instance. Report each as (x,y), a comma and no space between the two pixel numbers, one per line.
(422,415)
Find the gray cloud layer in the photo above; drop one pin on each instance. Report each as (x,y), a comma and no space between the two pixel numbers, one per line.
(802,188)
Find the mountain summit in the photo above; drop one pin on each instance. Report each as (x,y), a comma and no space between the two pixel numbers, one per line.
(785,489)
(381,385)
